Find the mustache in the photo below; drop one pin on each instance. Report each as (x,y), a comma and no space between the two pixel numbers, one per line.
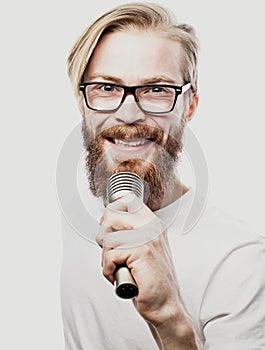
(133,131)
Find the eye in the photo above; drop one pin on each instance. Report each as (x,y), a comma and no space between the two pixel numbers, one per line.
(107,88)
(157,89)
(160,91)
(153,90)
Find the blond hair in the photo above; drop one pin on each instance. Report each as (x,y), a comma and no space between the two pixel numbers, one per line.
(134,16)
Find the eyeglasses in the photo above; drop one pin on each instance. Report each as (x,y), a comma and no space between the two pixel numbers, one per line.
(153,98)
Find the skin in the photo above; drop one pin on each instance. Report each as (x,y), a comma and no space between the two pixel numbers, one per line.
(131,59)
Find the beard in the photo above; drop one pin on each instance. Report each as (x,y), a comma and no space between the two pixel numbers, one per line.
(158,174)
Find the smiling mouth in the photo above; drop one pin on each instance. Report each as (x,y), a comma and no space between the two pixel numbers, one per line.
(135,142)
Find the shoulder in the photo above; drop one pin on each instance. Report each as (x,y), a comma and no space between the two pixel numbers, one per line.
(225,230)
(213,235)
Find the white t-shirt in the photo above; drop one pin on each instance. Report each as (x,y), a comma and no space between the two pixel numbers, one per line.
(220,268)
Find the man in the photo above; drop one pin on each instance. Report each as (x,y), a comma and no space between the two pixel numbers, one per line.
(134,72)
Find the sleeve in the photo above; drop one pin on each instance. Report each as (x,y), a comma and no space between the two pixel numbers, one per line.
(232,312)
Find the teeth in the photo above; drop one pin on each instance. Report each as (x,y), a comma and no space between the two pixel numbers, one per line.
(130,143)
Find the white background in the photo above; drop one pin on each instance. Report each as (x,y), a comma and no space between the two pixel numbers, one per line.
(38,111)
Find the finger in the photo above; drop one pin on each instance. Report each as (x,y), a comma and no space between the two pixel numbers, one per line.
(100,236)
(121,216)
(121,239)
(135,237)
(116,220)
(111,260)
(128,203)
(108,236)
(111,223)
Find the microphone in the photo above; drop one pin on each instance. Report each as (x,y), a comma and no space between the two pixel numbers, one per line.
(120,184)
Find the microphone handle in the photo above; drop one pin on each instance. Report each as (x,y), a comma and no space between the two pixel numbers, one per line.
(125,285)
(118,185)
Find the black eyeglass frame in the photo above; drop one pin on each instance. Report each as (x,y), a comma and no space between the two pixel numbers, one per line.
(131,90)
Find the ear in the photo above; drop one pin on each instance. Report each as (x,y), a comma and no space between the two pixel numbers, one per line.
(192,108)
(80,103)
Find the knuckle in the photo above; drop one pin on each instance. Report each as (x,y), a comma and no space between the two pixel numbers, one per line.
(99,239)
(148,250)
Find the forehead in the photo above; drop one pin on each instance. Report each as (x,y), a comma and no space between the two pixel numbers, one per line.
(133,56)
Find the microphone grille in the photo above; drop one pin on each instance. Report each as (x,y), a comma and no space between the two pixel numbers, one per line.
(120,184)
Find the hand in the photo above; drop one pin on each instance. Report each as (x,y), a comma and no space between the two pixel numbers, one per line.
(132,234)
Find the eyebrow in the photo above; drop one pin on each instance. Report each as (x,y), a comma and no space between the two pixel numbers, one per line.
(105,78)
(151,80)
(159,79)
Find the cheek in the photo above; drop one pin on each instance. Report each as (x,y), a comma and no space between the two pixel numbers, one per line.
(169,125)
(81,106)
(94,122)
(87,123)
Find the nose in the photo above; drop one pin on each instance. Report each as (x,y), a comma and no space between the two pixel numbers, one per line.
(130,112)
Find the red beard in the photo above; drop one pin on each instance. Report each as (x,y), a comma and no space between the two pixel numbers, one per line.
(157,175)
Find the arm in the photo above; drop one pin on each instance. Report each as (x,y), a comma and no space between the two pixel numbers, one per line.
(185,341)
